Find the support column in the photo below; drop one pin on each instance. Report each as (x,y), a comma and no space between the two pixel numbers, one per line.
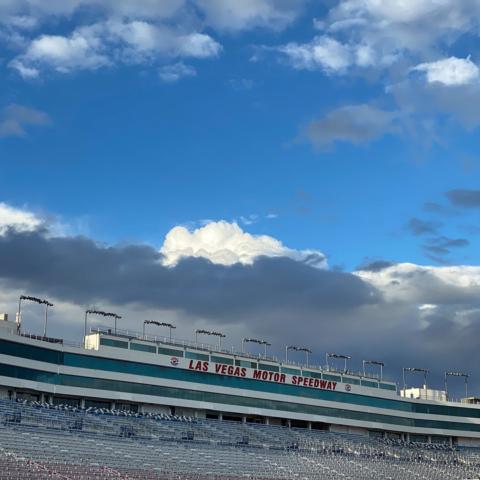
(267,421)
(220,416)
(82,403)
(309,425)
(289,423)
(244,419)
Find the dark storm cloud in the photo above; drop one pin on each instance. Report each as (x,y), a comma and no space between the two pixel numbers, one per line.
(436,248)
(277,298)
(416,226)
(464,198)
(78,270)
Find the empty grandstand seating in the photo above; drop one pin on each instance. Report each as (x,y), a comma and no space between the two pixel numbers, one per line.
(42,441)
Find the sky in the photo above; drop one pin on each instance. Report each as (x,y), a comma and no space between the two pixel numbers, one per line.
(297,170)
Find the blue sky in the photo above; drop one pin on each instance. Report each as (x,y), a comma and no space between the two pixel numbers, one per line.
(133,155)
(220,163)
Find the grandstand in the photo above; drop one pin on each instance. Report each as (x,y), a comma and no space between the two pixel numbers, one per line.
(45,441)
(124,405)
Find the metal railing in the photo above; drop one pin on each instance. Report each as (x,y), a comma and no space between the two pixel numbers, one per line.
(200,346)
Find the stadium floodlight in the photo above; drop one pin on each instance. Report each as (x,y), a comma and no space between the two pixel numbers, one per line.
(296,348)
(220,335)
(415,370)
(103,314)
(338,356)
(287,348)
(306,350)
(373,362)
(258,341)
(40,301)
(456,374)
(158,324)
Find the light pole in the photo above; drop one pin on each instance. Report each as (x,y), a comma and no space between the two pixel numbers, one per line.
(456,374)
(306,350)
(258,341)
(220,335)
(40,301)
(159,324)
(341,357)
(415,370)
(287,348)
(103,314)
(373,362)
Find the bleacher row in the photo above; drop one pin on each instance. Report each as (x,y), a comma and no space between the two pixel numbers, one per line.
(42,441)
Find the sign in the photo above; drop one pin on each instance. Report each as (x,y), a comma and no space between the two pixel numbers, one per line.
(264,375)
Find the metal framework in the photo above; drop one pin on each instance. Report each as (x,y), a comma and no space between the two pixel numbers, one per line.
(40,301)
(158,324)
(456,374)
(345,358)
(257,341)
(103,314)
(295,348)
(373,362)
(415,370)
(220,335)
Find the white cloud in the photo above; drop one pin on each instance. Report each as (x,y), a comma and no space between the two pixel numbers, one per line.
(451,71)
(322,52)
(17,219)
(379,33)
(226,244)
(425,285)
(14,119)
(245,14)
(108,43)
(173,73)
(81,51)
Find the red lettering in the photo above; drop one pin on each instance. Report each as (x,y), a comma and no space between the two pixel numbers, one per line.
(329,385)
(205,367)
(294,380)
(334,385)
(282,378)
(190,365)
(218,367)
(244,372)
(257,374)
(323,383)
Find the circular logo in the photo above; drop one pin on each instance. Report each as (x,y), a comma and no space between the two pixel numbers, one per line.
(174,361)
(348,387)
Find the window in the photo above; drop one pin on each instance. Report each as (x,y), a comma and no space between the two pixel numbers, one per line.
(353,381)
(369,383)
(224,360)
(307,373)
(291,371)
(333,378)
(245,363)
(170,352)
(388,386)
(108,342)
(269,368)
(197,356)
(143,348)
